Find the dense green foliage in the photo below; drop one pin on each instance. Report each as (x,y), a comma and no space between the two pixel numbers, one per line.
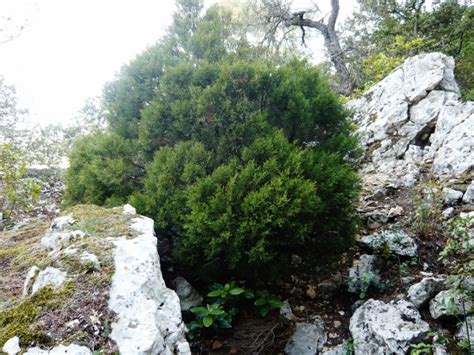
(240,159)
(101,170)
(382,34)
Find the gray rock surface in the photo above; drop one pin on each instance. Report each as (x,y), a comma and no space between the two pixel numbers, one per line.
(451,197)
(420,293)
(12,346)
(450,303)
(188,296)
(363,273)
(308,339)
(148,317)
(415,116)
(386,328)
(397,242)
(466,328)
(286,311)
(48,277)
(469,194)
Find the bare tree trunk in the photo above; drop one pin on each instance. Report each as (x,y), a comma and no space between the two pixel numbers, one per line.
(331,42)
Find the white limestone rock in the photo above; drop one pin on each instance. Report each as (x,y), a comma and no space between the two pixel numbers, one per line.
(188,296)
(57,240)
(30,278)
(468,197)
(386,328)
(398,242)
(308,338)
(148,317)
(129,209)
(62,223)
(72,349)
(415,116)
(420,293)
(12,346)
(87,258)
(49,277)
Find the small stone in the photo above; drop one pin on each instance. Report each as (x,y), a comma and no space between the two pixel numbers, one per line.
(129,209)
(468,197)
(395,212)
(89,259)
(286,312)
(188,296)
(12,346)
(337,324)
(296,260)
(448,212)
(30,278)
(451,197)
(49,277)
(73,324)
(311,293)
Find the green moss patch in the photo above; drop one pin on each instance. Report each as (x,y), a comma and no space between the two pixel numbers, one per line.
(21,320)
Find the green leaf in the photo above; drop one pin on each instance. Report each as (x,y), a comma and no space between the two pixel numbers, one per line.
(236,291)
(216,312)
(215,293)
(263,311)
(275,302)
(260,302)
(249,295)
(207,321)
(200,311)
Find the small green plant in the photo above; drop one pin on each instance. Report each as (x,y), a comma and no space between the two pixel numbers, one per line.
(265,302)
(428,216)
(212,316)
(225,293)
(421,349)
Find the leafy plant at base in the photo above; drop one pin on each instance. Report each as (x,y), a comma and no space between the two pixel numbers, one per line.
(428,209)
(212,316)
(265,302)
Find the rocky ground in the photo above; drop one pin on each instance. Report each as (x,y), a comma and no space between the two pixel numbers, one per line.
(405,287)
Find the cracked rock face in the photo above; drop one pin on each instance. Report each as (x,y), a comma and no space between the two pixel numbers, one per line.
(386,328)
(413,117)
(148,313)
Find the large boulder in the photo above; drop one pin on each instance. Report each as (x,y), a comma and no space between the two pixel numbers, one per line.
(308,339)
(415,116)
(386,328)
(148,313)
(465,332)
